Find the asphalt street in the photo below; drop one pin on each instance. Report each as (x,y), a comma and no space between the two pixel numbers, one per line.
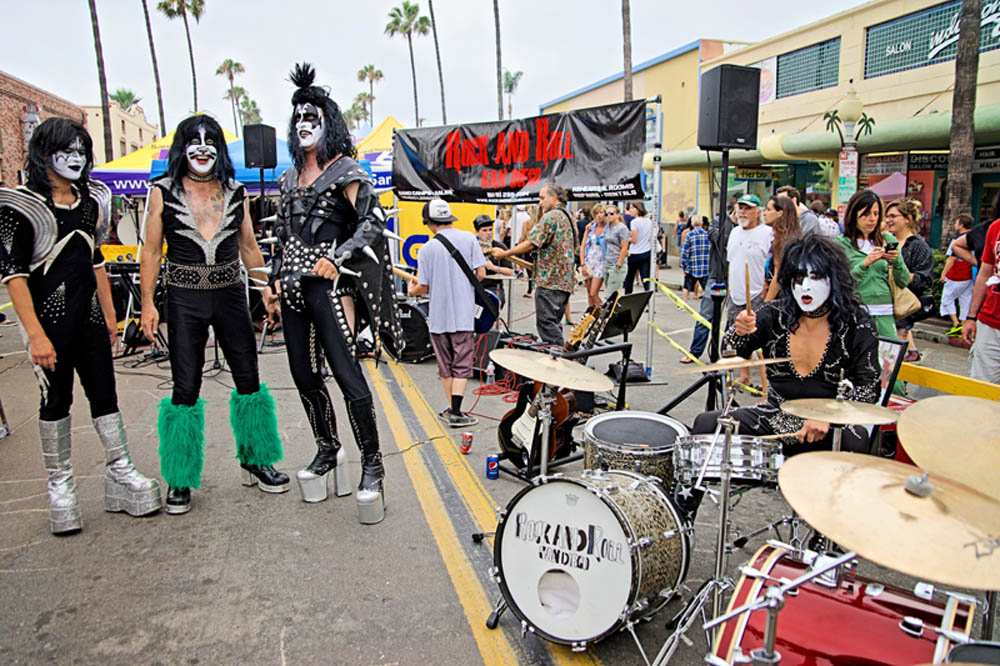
(252,578)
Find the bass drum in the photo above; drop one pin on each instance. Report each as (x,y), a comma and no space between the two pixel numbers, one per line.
(640,442)
(578,558)
(858,621)
(415,347)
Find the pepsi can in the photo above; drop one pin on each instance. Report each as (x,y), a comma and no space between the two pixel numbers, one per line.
(492,466)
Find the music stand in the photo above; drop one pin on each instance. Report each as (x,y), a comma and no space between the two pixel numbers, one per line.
(623,320)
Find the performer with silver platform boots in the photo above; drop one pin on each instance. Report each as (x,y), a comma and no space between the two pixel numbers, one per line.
(204,216)
(331,271)
(50,259)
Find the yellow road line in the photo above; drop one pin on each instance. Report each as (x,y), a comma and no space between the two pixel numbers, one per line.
(494,648)
(477,499)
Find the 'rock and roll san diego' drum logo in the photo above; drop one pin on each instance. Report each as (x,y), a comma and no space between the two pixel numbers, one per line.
(576,545)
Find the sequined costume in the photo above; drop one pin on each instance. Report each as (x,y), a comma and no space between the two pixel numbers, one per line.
(852,349)
(56,249)
(314,222)
(204,288)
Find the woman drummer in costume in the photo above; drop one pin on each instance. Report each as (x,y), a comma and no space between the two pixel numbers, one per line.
(50,259)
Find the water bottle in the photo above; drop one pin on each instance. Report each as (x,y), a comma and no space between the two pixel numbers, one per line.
(490,373)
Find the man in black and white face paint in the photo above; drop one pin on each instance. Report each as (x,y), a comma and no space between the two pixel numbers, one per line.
(308,125)
(69,163)
(201,154)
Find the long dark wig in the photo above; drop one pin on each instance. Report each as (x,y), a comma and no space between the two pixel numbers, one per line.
(53,135)
(818,254)
(860,204)
(177,164)
(336,137)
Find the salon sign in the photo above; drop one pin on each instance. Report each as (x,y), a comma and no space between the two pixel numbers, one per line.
(926,37)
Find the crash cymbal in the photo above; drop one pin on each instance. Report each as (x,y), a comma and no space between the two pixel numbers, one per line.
(863,503)
(839,412)
(955,436)
(735,363)
(551,370)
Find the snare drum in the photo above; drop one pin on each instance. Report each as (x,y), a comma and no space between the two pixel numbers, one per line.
(641,442)
(857,621)
(578,558)
(752,460)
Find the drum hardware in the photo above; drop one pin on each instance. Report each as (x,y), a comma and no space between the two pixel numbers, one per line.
(792,521)
(773,602)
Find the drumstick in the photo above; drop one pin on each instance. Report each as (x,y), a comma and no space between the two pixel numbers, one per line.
(398,272)
(774,437)
(746,277)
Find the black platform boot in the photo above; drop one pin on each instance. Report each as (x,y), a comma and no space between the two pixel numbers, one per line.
(178,500)
(330,455)
(371,494)
(265,477)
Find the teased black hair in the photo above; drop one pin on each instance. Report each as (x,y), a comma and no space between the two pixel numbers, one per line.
(177,164)
(336,137)
(53,135)
(825,258)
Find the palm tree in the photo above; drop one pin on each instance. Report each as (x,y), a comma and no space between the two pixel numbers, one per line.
(105,106)
(963,103)
(372,75)
(363,100)
(195,8)
(231,69)
(496,26)
(249,110)
(510,81)
(406,20)
(156,68)
(125,98)
(627,47)
(235,95)
(437,53)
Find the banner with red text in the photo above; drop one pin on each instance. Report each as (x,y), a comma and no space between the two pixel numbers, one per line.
(594,153)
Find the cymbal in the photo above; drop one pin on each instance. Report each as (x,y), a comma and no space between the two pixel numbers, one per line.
(735,363)
(551,370)
(839,412)
(955,436)
(951,536)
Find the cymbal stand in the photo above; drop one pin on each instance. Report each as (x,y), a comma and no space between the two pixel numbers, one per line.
(545,398)
(772,602)
(729,424)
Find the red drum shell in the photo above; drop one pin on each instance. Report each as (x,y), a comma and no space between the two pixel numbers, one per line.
(823,626)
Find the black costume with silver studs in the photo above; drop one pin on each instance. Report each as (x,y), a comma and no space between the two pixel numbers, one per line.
(56,248)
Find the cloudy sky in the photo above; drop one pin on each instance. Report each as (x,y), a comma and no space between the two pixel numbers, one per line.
(560,45)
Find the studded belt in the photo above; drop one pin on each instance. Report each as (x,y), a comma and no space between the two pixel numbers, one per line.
(203,276)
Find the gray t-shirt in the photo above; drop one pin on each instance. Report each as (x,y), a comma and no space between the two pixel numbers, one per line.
(808,222)
(453,299)
(614,237)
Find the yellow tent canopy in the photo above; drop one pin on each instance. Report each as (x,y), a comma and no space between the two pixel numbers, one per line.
(380,138)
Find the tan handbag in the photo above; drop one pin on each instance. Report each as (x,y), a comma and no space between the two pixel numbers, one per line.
(904,301)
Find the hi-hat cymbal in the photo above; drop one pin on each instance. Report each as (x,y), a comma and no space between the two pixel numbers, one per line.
(735,363)
(957,437)
(839,412)
(551,370)
(951,536)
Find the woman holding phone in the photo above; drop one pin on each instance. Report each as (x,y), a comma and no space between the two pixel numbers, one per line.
(872,253)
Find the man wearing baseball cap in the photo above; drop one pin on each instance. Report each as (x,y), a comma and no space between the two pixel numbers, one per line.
(451,317)
(749,247)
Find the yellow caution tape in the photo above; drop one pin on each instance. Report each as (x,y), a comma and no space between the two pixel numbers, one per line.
(681,303)
(682,349)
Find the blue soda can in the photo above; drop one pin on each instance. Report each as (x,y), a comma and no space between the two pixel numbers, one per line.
(492,466)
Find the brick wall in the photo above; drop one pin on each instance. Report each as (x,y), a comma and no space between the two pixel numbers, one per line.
(15,95)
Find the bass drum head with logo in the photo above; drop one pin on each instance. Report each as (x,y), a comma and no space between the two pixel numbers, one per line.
(565,561)
(416,347)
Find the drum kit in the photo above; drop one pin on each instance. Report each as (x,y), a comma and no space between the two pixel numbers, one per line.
(579,557)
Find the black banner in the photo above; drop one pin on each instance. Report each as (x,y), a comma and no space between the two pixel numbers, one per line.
(594,153)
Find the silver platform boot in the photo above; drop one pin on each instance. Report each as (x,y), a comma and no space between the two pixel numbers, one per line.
(371,492)
(64,508)
(125,489)
(314,480)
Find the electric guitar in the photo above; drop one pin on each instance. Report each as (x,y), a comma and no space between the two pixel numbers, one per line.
(520,430)
(586,333)
(484,319)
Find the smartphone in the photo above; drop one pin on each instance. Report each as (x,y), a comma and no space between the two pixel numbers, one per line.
(891,247)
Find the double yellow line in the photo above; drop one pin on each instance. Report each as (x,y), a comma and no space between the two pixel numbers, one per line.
(493,645)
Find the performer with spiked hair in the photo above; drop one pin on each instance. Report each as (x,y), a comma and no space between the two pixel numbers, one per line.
(50,259)
(204,216)
(331,270)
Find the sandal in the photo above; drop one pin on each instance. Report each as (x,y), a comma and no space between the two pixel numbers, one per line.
(686,360)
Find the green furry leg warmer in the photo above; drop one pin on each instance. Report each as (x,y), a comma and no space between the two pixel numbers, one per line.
(254,419)
(182,443)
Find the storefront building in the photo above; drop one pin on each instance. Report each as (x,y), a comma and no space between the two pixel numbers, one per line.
(898,56)
(674,77)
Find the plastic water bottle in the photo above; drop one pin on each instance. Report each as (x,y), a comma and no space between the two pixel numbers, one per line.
(490,373)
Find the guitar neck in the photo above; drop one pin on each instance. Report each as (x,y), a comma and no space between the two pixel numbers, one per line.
(400,273)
